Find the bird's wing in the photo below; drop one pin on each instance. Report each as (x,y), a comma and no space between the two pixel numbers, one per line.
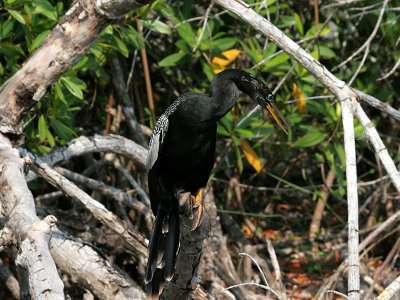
(157,140)
(160,131)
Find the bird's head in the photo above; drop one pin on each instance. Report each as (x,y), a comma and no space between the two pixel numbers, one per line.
(260,92)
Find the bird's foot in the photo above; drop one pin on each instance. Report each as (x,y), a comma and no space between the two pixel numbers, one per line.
(197,209)
(185,203)
(192,206)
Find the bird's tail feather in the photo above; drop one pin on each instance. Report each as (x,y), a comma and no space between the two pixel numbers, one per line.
(163,245)
(170,246)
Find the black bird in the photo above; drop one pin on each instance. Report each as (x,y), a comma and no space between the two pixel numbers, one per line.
(181,156)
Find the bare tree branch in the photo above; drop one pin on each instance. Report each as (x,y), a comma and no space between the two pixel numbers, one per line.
(91,269)
(98,143)
(186,277)
(384,107)
(106,190)
(373,137)
(37,267)
(388,74)
(134,240)
(390,291)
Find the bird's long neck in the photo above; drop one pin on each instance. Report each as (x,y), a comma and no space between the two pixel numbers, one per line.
(224,94)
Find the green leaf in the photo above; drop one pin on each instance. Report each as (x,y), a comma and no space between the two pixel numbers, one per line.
(326,52)
(50,139)
(224,43)
(311,32)
(236,146)
(42,127)
(281,58)
(121,47)
(304,190)
(185,31)
(310,139)
(221,129)
(131,37)
(6,28)
(299,24)
(11,50)
(44,8)
(74,85)
(63,131)
(245,133)
(81,63)
(16,15)
(207,70)
(286,21)
(227,121)
(172,60)
(250,214)
(157,26)
(38,40)
(339,149)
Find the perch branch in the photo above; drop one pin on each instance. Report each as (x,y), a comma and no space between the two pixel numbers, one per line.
(217,262)
(186,277)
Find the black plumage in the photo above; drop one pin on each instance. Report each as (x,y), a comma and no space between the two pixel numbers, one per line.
(181,156)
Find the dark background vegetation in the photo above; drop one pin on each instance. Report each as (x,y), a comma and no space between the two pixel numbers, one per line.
(276,202)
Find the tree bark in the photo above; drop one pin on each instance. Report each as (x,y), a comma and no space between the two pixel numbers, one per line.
(92,270)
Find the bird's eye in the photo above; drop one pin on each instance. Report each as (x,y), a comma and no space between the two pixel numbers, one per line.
(270,97)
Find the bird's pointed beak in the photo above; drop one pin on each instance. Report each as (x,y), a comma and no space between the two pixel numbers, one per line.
(275,113)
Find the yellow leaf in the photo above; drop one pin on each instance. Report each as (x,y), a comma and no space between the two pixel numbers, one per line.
(246,230)
(251,156)
(218,64)
(301,102)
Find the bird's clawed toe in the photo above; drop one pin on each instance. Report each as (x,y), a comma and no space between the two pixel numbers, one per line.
(197,216)
(185,203)
(198,210)
(192,207)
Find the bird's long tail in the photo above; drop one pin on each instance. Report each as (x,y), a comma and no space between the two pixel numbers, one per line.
(163,246)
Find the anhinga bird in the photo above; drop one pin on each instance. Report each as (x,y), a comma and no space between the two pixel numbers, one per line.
(181,156)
